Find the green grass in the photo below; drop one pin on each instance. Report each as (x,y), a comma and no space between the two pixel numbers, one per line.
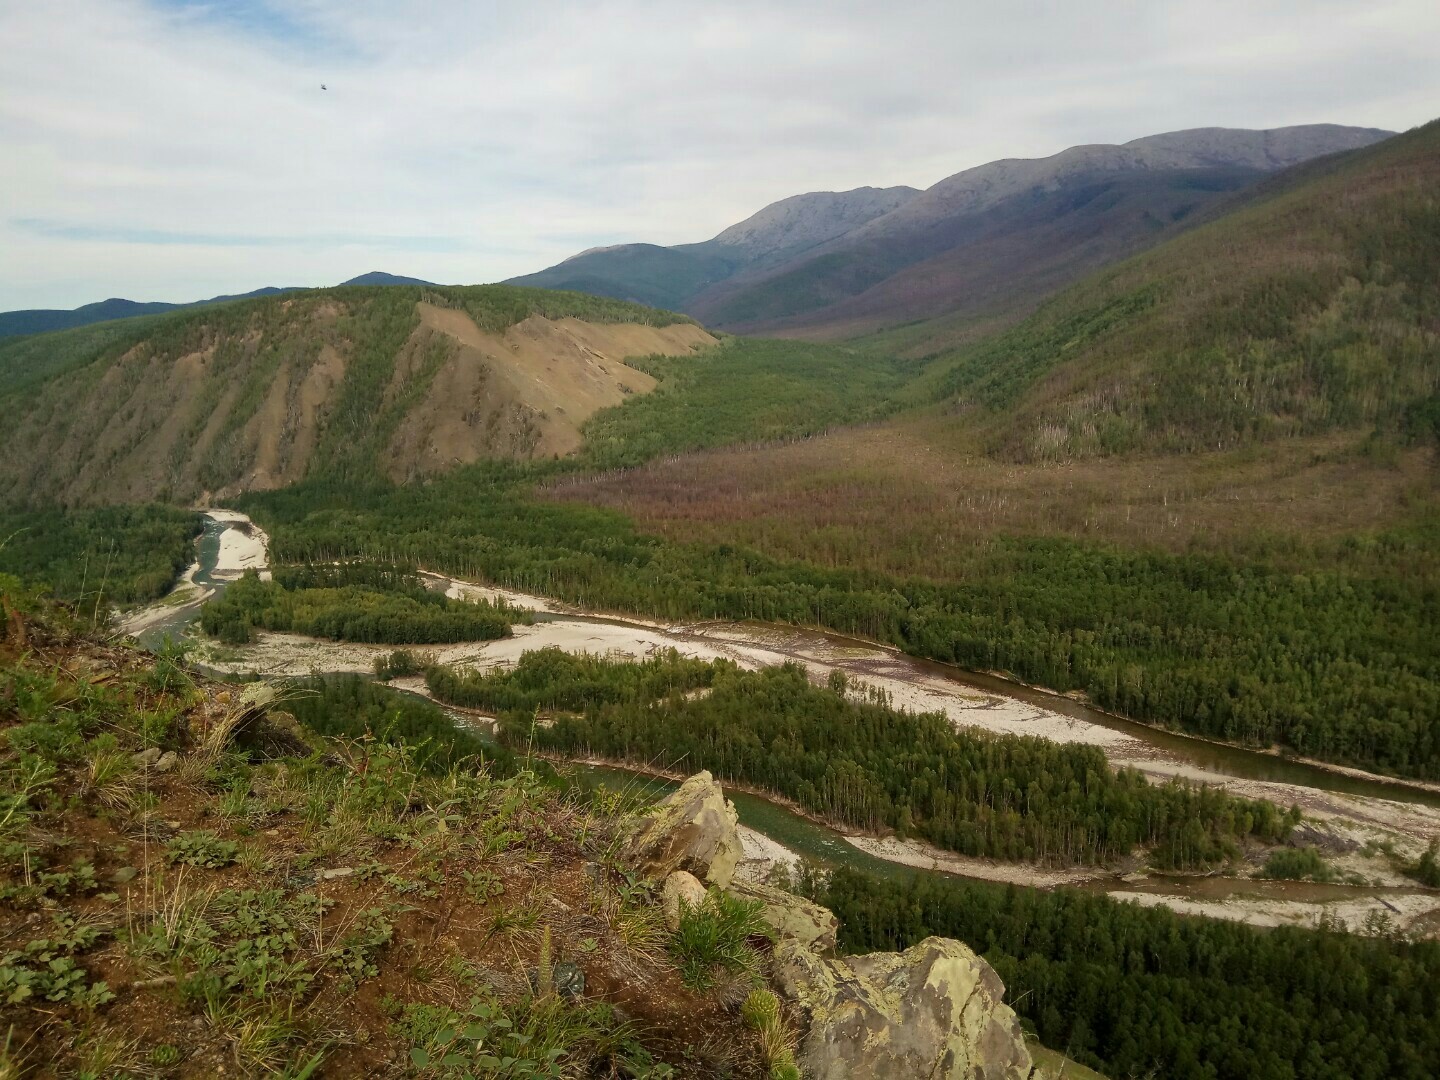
(714,939)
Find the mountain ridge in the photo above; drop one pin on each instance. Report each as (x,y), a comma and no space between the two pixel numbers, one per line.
(43,320)
(822,286)
(1025,204)
(400,381)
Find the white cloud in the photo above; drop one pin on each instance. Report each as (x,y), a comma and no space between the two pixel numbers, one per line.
(466,141)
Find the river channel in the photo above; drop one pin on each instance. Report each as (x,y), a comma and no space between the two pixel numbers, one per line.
(1348,809)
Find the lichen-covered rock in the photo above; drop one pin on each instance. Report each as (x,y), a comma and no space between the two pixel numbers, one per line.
(933,1011)
(693,830)
(791,917)
(680,887)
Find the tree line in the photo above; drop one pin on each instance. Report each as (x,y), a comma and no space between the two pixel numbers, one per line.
(353,602)
(1330,664)
(103,555)
(1137,991)
(863,763)
(352,707)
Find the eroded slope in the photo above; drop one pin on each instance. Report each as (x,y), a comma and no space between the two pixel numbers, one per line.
(261,394)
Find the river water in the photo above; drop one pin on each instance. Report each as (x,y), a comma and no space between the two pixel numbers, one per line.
(1352,808)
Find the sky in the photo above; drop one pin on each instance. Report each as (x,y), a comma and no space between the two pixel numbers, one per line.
(179,149)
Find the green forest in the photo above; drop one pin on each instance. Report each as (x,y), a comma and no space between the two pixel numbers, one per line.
(1138,991)
(105,555)
(1334,664)
(353,707)
(747,390)
(353,602)
(1310,309)
(860,762)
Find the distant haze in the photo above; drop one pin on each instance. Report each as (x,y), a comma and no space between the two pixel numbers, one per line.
(177,149)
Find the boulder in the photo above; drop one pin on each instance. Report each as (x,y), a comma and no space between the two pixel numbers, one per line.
(693,830)
(933,1011)
(680,886)
(791,917)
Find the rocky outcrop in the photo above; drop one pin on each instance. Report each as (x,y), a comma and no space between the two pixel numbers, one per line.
(693,830)
(933,1011)
(682,889)
(793,918)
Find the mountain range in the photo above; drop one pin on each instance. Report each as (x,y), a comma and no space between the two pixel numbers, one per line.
(981,246)
(40,320)
(1303,304)
(989,240)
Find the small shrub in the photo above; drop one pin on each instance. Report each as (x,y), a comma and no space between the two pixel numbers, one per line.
(715,935)
(761,1013)
(1297,864)
(164,1056)
(481,1041)
(201,847)
(1427,869)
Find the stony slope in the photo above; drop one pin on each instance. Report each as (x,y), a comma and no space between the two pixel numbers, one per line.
(256,395)
(226,891)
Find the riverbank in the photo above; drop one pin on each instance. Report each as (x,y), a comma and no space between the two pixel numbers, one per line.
(243,544)
(1357,822)
(1258,902)
(1358,833)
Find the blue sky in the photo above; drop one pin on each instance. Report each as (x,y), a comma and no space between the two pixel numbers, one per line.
(172,149)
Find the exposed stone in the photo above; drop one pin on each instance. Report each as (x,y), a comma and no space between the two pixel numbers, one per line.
(1322,836)
(933,1011)
(568,980)
(791,916)
(167,761)
(336,872)
(680,886)
(124,874)
(693,829)
(146,758)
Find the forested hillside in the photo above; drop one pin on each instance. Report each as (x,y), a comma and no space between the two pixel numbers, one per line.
(94,558)
(1309,310)
(396,380)
(1338,663)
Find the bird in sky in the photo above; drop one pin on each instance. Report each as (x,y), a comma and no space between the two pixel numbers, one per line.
(324,87)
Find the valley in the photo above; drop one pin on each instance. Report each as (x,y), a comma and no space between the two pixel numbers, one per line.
(1047,559)
(1346,811)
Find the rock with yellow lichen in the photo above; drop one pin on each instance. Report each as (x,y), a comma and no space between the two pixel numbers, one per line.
(933,1011)
(792,917)
(692,830)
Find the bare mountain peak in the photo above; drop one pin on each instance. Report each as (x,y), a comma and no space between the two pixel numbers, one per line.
(1200,148)
(802,221)
(1276,148)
